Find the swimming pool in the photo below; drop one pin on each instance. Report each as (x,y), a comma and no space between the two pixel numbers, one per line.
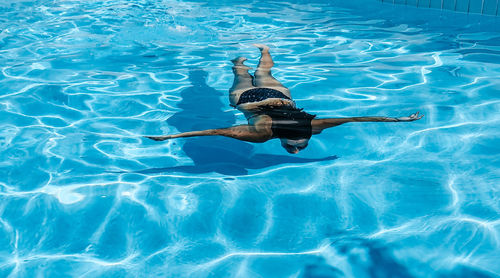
(83,194)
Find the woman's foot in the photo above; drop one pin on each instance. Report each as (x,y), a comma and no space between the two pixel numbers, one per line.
(239,61)
(262,47)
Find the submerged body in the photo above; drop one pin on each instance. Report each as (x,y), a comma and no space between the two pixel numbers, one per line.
(271,111)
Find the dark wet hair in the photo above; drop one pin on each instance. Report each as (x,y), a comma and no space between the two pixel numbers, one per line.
(302,144)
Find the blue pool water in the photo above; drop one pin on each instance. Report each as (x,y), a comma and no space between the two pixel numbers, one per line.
(83,194)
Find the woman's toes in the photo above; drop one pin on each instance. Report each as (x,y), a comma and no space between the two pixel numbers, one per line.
(262,47)
(239,61)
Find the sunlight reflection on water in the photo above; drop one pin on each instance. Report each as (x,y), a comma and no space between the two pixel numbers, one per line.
(83,194)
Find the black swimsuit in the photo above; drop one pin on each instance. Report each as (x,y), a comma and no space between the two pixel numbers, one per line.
(287,122)
(259,94)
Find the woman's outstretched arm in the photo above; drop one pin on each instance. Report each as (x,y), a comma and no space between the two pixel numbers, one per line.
(319,124)
(240,132)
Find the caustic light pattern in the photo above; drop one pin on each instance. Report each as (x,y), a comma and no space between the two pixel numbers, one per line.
(83,194)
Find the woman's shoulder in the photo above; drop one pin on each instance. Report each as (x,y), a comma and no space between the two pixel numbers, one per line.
(260,120)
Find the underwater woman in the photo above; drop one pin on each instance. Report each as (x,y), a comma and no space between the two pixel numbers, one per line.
(271,111)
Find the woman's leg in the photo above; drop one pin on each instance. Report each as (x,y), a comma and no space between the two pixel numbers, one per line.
(242,80)
(263,77)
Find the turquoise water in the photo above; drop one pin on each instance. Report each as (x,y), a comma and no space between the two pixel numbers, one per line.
(83,194)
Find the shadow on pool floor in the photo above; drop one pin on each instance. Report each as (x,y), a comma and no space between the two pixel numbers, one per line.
(202,108)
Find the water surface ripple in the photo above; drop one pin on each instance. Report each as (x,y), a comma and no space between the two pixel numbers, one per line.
(83,194)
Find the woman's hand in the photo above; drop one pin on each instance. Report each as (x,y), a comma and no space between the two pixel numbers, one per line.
(159,138)
(411,118)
